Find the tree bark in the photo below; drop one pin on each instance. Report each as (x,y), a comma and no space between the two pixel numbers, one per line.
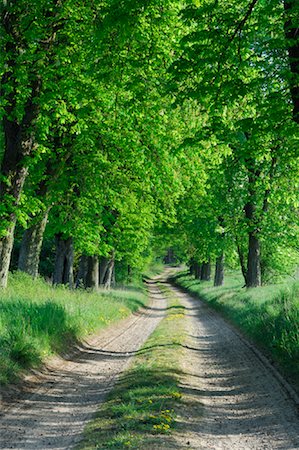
(18,135)
(219,271)
(206,271)
(92,274)
(292,35)
(18,142)
(63,270)
(31,245)
(191,267)
(197,270)
(169,258)
(253,262)
(107,274)
(6,245)
(82,271)
(242,263)
(103,269)
(253,274)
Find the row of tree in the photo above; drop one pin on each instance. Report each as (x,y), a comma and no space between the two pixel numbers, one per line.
(128,126)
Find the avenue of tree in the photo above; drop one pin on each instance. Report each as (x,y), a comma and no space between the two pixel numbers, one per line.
(129,127)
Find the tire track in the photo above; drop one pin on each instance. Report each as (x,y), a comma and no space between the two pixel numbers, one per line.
(54,415)
(243,405)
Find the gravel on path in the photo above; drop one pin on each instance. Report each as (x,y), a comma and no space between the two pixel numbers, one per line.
(232,400)
(53,415)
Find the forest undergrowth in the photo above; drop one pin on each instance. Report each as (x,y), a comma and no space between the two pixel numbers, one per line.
(268,315)
(38,320)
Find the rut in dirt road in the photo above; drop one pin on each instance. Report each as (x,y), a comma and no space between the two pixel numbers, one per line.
(232,400)
(53,417)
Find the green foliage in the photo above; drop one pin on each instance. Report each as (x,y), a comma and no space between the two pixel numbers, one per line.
(38,320)
(155,125)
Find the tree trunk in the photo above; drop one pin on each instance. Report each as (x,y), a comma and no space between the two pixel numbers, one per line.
(18,134)
(292,36)
(31,246)
(82,271)
(206,271)
(63,270)
(242,263)
(219,271)
(169,258)
(92,274)
(113,280)
(129,274)
(192,265)
(108,276)
(197,270)
(253,261)
(18,143)
(253,274)
(6,245)
(103,269)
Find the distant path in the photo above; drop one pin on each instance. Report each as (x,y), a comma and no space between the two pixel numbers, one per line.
(232,400)
(54,415)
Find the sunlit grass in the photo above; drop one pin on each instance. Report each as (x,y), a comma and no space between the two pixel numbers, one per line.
(142,407)
(37,320)
(269,315)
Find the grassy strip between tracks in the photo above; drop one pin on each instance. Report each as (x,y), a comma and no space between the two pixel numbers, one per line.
(268,315)
(140,412)
(37,320)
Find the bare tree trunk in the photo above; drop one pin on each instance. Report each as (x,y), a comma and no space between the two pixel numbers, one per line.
(113,280)
(197,270)
(206,271)
(169,258)
(82,271)
(31,245)
(108,278)
(242,263)
(8,219)
(253,262)
(103,269)
(219,271)
(253,274)
(6,245)
(192,266)
(92,274)
(63,270)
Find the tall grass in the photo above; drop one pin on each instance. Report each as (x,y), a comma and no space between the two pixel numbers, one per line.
(268,315)
(37,320)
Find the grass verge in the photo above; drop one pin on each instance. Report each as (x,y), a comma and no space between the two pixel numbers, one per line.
(37,320)
(268,315)
(141,409)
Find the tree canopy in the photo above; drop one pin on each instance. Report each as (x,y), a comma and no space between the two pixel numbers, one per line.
(128,128)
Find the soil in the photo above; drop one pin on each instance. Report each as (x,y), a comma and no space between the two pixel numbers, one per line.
(231,400)
(52,414)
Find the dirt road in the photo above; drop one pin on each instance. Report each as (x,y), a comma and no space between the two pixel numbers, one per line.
(53,416)
(231,401)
